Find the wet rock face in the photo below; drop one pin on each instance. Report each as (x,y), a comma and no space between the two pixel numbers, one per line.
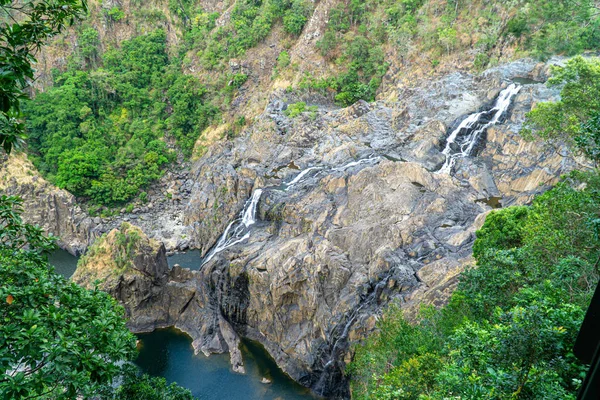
(316,258)
(330,251)
(218,193)
(373,222)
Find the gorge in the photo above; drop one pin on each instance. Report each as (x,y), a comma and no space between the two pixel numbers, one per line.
(303,199)
(303,267)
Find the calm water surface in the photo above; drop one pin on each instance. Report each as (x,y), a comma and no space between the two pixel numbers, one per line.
(64,263)
(190,259)
(169,353)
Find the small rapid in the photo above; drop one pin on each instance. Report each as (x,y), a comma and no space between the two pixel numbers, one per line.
(238,230)
(370,160)
(300,177)
(462,140)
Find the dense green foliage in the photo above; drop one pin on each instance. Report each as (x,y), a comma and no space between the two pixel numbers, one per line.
(251,22)
(102,131)
(59,340)
(576,116)
(24,27)
(509,329)
(99,132)
(359,31)
(145,387)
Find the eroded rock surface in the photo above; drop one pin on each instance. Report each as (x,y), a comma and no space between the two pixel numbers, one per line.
(53,209)
(371,222)
(328,252)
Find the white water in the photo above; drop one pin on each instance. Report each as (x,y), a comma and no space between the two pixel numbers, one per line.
(249,217)
(373,160)
(237,230)
(474,125)
(301,175)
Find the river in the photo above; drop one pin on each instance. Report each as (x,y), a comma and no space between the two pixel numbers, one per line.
(169,353)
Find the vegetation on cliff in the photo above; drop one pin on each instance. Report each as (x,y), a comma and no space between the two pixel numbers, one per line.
(509,329)
(23,30)
(57,339)
(576,117)
(99,132)
(116,111)
(358,34)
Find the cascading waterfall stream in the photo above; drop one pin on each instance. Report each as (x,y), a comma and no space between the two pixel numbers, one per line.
(463,139)
(370,160)
(300,177)
(238,230)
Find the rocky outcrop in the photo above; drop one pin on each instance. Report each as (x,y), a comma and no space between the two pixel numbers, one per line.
(53,209)
(133,269)
(327,253)
(370,221)
(130,267)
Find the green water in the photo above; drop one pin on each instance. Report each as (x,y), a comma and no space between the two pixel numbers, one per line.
(190,259)
(63,262)
(169,353)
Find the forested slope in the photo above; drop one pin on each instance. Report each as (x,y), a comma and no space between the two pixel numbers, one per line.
(137,83)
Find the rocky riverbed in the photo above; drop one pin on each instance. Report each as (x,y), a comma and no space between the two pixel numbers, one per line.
(373,221)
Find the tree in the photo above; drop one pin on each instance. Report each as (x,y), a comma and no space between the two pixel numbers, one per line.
(296,17)
(575,117)
(26,27)
(59,340)
(144,387)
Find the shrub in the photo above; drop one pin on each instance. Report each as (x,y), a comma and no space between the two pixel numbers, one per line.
(295,109)
(283,60)
(296,17)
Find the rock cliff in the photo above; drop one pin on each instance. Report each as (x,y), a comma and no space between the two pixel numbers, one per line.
(348,212)
(53,209)
(133,269)
(371,222)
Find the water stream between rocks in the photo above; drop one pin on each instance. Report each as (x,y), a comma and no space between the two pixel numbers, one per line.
(463,140)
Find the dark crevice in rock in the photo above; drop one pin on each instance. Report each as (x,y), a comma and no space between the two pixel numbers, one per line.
(187,304)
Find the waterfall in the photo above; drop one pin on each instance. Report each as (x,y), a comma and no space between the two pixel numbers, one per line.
(249,215)
(300,176)
(237,230)
(463,139)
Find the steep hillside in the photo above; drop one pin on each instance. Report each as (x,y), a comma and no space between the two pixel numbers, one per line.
(327,158)
(135,75)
